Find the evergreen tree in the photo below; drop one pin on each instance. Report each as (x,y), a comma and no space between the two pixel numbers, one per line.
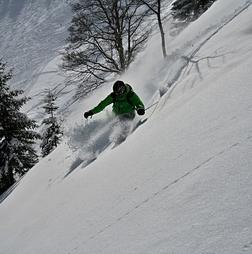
(17,134)
(52,135)
(190,10)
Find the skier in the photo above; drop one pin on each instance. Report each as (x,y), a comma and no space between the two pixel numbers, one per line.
(125,102)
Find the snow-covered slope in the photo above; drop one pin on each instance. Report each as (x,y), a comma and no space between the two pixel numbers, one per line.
(32,34)
(181,183)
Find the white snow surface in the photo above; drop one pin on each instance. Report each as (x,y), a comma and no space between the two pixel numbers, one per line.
(180,183)
(32,35)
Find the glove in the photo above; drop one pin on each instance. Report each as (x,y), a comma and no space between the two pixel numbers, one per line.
(88,114)
(140,111)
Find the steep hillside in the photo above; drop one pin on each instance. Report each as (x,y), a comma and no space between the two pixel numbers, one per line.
(32,33)
(180,183)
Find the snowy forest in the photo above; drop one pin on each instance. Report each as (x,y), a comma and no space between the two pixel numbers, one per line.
(128,122)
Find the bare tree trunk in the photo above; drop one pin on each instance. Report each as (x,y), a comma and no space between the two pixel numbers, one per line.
(155,7)
(119,38)
(161,29)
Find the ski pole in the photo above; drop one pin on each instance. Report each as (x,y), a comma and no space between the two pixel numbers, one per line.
(152,105)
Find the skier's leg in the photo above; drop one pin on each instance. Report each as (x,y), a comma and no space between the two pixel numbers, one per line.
(125,126)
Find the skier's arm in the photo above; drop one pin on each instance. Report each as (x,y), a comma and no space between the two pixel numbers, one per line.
(138,104)
(136,101)
(103,104)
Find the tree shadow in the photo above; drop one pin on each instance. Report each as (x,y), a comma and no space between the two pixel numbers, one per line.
(9,191)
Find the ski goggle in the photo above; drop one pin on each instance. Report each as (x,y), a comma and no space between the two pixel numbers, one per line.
(120,90)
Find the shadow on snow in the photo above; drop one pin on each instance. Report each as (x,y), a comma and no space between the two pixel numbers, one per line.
(90,140)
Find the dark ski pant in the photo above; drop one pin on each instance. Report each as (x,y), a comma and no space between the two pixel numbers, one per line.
(127,116)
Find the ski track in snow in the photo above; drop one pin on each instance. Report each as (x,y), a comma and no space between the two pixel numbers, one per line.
(96,137)
(186,60)
(167,187)
(183,65)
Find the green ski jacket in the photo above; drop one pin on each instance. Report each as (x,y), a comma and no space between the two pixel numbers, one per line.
(126,103)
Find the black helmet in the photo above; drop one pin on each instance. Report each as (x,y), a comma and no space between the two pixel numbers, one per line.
(119,87)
